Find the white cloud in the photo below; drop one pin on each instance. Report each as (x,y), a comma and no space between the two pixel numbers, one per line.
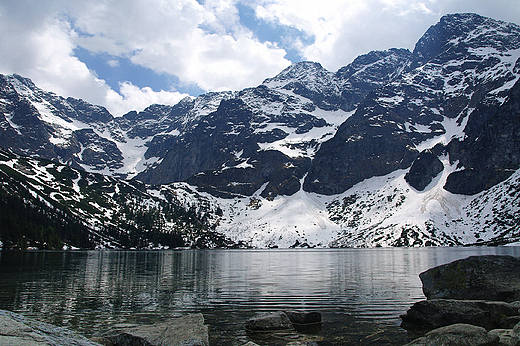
(132,97)
(203,44)
(345,29)
(44,53)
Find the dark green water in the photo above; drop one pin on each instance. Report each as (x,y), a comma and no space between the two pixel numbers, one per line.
(360,292)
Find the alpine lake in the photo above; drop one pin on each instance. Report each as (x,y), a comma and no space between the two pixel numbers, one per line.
(360,293)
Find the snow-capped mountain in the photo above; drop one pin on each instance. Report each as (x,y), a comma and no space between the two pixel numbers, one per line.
(461,72)
(396,148)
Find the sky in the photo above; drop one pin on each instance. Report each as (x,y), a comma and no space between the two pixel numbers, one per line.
(128,54)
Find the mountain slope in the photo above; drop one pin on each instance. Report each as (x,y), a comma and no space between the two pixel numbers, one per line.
(48,205)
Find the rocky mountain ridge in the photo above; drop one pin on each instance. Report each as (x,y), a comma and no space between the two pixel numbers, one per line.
(348,152)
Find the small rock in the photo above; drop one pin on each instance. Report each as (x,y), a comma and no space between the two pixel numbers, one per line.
(509,322)
(269,321)
(457,335)
(504,335)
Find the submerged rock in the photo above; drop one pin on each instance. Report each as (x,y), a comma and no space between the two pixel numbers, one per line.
(281,320)
(457,335)
(18,330)
(269,321)
(474,278)
(304,317)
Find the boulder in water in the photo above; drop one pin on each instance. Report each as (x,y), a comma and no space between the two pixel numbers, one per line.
(474,278)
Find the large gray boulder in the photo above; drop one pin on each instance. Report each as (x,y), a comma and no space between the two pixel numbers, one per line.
(188,330)
(474,278)
(430,314)
(457,335)
(17,330)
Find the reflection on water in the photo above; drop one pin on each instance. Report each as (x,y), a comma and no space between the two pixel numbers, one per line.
(360,292)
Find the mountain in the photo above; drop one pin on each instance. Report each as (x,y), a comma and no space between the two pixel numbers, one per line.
(397,148)
(269,134)
(461,72)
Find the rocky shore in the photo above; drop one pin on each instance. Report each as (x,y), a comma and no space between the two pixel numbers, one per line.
(473,301)
(470,302)
(190,330)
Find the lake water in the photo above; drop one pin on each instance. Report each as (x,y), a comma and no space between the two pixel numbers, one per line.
(359,292)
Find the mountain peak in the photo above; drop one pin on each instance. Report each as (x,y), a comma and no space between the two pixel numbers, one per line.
(470,29)
(23,80)
(303,71)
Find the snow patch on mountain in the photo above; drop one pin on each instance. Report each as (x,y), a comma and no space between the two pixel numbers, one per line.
(285,221)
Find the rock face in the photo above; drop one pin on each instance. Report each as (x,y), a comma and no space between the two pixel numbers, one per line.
(188,330)
(457,335)
(390,125)
(425,167)
(435,313)
(476,277)
(16,330)
(490,152)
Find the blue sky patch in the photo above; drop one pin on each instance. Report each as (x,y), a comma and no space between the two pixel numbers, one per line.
(115,69)
(282,35)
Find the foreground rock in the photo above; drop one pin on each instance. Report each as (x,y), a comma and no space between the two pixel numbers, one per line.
(474,278)
(457,335)
(483,306)
(435,313)
(188,330)
(16,330)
